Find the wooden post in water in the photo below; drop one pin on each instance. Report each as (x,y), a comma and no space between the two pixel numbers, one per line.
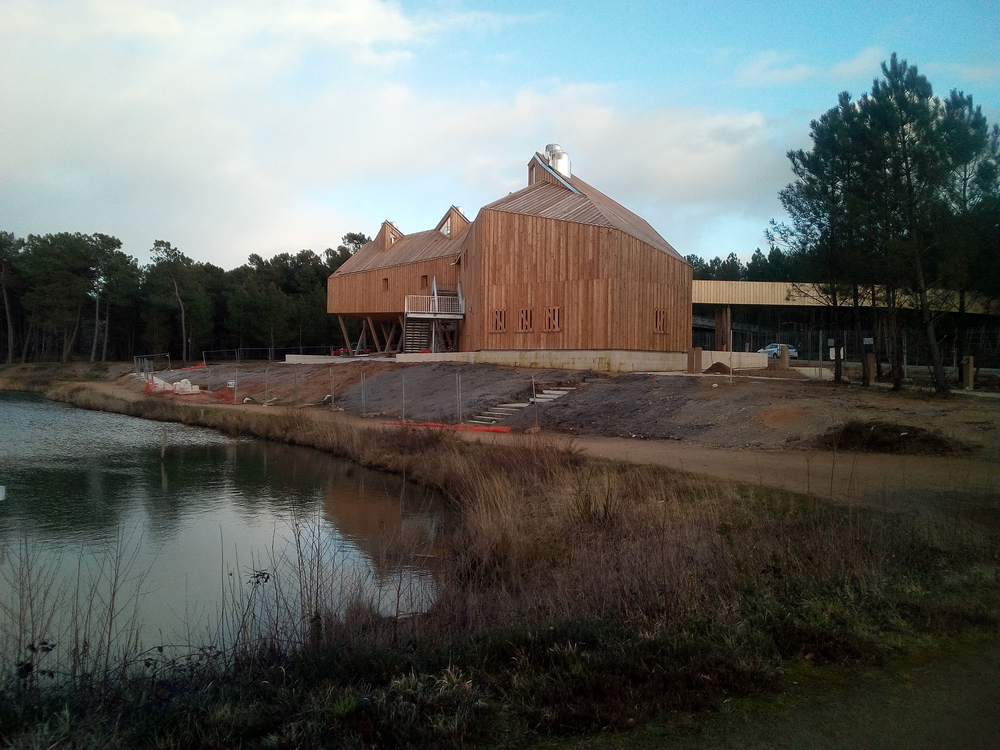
(333,393)
(404,396)
(163,444)
(265,386)
(295,372)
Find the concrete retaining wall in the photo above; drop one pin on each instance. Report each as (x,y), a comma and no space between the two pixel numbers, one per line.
(606,360)
(610,360)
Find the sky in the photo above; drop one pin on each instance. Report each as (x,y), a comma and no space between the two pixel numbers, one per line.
(231,127)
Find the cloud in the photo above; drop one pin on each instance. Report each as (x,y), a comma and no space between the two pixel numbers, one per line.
(978,73)
(259,127)
(770,68)
(867,63)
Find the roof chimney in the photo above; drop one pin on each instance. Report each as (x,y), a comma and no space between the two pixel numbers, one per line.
(558,159)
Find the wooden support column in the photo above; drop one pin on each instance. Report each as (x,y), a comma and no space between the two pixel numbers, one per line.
(361,338)
(391,336)
(343,330)
(723,329)
(694,359)
(371,327)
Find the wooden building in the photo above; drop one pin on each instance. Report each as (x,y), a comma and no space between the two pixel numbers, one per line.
(557,265)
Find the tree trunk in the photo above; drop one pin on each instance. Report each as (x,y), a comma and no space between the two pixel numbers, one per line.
(70,339)
(184,342)
(940,381)
(107,326)
(838,361)
(866,374)
(27,341)
(937,364)
(10,321)
(963,349)
(897,349)
(97,326)
(878,323)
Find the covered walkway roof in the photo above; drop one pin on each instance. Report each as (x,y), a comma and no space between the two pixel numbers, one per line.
(780,293)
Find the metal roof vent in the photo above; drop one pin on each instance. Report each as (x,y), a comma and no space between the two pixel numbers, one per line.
(558,159)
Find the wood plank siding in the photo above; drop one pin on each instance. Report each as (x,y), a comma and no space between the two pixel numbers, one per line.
(381,292)
(756,293)
(601,285)
(555,265)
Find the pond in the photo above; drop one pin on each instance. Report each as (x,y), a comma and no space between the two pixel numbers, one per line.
(165,533)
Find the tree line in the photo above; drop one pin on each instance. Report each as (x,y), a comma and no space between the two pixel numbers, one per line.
(71,294)
(897,201)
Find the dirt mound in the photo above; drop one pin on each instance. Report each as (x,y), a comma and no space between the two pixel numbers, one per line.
(718,369)
(887,437)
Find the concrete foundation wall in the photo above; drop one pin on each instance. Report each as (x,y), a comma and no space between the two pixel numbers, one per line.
(608,360)
(605,360)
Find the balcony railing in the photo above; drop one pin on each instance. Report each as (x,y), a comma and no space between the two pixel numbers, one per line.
(443,306)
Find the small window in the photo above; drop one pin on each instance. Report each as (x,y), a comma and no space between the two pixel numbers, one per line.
(524,321)
(385,285)
(659,321)
(423,282)
(446,229)
(552,319)
(498,321)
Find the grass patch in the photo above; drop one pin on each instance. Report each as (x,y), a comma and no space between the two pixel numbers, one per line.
(575,596)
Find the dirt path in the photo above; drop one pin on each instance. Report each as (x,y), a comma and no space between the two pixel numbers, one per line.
(889,482)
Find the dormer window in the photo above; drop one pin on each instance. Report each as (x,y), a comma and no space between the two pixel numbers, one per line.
(446,228)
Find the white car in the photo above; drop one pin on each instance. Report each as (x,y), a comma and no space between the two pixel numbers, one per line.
(773,351)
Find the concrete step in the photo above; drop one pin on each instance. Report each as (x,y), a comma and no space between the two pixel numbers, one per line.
(513,406)
(478,420)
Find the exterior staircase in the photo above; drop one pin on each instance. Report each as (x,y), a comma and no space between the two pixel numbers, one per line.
(417,335)
(502,411)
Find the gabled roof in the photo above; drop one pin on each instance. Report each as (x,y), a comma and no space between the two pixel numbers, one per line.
(406,248)
(572,199)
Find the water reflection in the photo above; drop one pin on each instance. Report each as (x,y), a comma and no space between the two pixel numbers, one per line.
(212,510)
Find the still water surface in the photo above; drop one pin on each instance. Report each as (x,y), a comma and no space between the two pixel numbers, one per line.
(79,486)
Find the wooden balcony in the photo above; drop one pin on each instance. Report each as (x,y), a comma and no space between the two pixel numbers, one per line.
(435,308)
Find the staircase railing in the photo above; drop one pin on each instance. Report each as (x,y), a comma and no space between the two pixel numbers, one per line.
(429,305)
